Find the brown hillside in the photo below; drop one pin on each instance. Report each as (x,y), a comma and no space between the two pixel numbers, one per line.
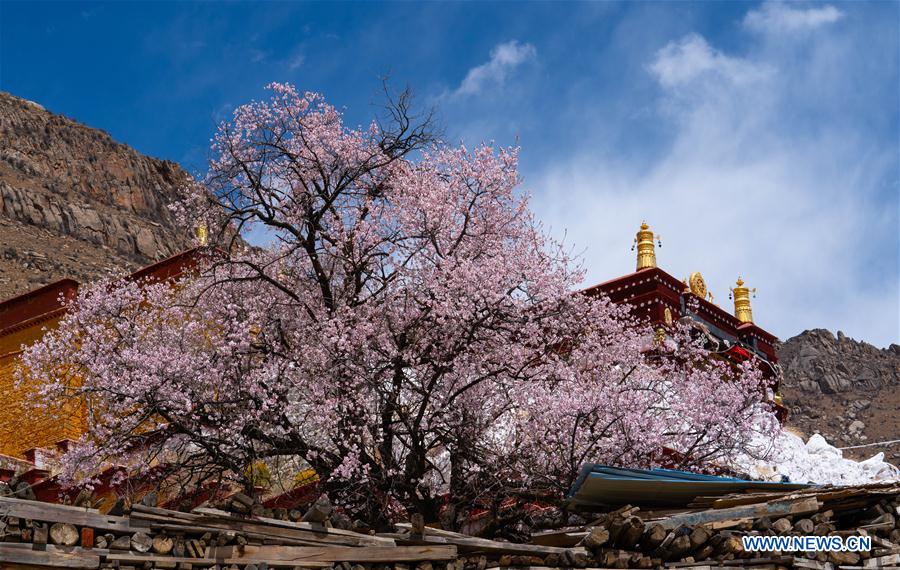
(75,203)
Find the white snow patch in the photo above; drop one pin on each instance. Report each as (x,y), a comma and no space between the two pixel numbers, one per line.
(816,461)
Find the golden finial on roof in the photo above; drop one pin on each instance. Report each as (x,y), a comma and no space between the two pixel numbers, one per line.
(646,256)
(742,308)
(201,233)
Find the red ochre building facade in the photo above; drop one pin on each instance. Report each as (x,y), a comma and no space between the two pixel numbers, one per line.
(661,299)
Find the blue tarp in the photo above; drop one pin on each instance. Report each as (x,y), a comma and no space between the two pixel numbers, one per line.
(602,484)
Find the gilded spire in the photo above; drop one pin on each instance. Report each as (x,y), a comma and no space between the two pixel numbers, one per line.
(742,301)
(646,252)
(201,233)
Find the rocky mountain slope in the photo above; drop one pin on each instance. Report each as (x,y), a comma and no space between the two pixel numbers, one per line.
(75,203)
(847,390)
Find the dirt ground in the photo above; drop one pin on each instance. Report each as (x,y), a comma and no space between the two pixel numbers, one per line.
(833,414)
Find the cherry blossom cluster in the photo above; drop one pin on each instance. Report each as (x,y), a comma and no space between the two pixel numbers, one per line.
(408,330)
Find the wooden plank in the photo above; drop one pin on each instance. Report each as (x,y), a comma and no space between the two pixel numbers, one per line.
(305,532)
(301,554)
(542,568)
(318,529)
(562,539)
(882,561)
(250,529)
(49,559)
(472,544)
(191,528)
(142,558)
(52,548)
(50,512)
(434,531)
(801,562)
(801,506)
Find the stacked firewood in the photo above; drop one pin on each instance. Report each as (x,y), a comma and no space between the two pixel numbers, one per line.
(43,535)
(707,534)
(710,533)
(240,536)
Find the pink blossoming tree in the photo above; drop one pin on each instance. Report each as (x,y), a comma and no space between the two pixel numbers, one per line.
(409,332)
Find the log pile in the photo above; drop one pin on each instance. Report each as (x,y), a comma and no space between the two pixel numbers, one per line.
(43,535)
(707,534)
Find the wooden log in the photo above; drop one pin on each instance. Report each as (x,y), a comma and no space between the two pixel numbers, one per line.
(704,553)
(622,560)
(121,543)
(319,511)
(730,546)
(47,558)
(417,524)
(52,513)
(823,529)
(260,530)
(301,554)
(64,534)
(87,537)
(162,544)
(793,507)
(882,561)
(194,549)
(699,536)
(579,558)
(679,547)
(764,523)
(781,526)
(653,537)
(41,533)
(631,533)
(216,521)
(560,538)
(843,558)
(138,560)
(596,537)
(481,545)
(615,526)
(661,550)
(141,542)
(804,526)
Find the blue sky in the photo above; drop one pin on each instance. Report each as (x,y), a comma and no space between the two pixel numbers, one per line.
(760,139)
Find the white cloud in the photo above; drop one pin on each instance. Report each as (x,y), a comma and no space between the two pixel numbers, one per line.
(780,17)
(744,187)
(295,61)
(692,58)
(504,59)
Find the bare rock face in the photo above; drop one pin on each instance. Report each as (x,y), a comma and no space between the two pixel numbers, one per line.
(65,185)
(816,361)
(846,390)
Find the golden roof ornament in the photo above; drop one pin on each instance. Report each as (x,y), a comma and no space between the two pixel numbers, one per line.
(697,285)
(646,252)
(201,233)
(742,308)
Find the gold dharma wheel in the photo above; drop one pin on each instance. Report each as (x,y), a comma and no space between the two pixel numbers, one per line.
(697,284)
